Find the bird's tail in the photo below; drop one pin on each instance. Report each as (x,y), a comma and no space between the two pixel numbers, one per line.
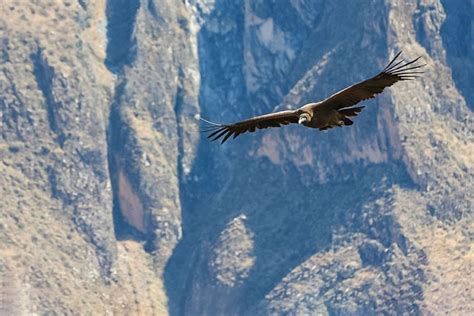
(351,111)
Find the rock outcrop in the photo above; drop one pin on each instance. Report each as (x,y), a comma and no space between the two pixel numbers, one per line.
(112,201)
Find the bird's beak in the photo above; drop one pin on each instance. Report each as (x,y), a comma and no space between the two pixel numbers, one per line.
(302,119)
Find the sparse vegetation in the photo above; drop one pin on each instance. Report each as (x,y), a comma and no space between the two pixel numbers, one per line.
(98,117)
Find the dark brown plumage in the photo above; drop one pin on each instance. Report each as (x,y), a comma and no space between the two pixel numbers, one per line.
(335,110)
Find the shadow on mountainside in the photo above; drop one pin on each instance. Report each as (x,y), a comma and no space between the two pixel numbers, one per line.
(291,215)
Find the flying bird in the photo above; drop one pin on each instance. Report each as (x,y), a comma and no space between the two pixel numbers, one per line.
(335,111)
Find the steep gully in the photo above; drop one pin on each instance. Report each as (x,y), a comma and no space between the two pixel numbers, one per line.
(121,51)
(130,213)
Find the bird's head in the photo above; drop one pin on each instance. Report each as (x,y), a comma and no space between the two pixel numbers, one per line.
(304,118)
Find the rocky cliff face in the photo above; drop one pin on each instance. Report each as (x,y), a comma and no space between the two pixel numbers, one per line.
(113,202)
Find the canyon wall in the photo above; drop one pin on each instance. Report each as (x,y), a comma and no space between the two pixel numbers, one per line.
(113,201)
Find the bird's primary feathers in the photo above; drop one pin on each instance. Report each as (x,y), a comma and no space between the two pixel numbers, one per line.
(335,110)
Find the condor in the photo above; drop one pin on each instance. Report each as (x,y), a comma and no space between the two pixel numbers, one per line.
(336,110)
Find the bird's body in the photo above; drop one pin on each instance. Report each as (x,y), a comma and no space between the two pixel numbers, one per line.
(321,117)
(336,110)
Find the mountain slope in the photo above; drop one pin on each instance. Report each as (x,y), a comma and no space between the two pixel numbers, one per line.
(113,202)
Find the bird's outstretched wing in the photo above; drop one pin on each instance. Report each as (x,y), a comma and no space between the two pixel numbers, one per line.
(276,119)
(396,70)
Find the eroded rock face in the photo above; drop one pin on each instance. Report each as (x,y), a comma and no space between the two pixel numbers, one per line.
(365,191)
(233,253)
(56,193)
(108,188)
(53,130)
(153,133)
